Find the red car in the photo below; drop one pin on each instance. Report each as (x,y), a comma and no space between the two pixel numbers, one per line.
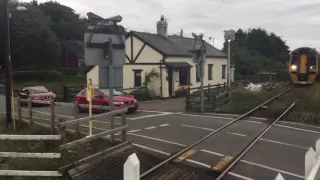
(101,98)
(36,93)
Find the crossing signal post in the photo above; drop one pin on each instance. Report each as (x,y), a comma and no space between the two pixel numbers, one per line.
(198,51)
(90,95)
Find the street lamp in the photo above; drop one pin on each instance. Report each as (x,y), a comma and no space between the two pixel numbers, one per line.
(7,60)
(229,36)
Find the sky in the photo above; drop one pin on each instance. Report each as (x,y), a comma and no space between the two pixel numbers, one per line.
(296,22)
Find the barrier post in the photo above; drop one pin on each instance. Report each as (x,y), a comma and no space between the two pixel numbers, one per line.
(90,95)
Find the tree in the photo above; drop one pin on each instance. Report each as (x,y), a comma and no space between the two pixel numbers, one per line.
(33,44)
(256,50)
(65,23)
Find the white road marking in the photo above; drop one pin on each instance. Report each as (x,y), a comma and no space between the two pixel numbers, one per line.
(151,149)
(190,160)
(148,116)
(257,122)
(258,118)
(299,124)
(299,129)
(248,121)
(237,134)
(156,139)
(223,114)
(160,112)
(136,130)
(243,135)
(163,125)
(212,117)
(277,142)
(239,176)
(273,169)
(151,127)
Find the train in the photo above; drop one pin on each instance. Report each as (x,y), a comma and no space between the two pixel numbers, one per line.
(304,65)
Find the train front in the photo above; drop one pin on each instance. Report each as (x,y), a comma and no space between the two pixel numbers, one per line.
(303,66)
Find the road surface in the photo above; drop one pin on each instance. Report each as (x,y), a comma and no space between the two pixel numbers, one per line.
(282,149)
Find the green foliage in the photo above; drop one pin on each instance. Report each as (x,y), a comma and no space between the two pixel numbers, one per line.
(256,50)
(148,77)
(65,22)
(35,34)
(36,75)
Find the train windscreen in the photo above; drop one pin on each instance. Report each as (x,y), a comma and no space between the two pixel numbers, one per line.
(294,59)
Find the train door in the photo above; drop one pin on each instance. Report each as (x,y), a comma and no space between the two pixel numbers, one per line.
(303,64)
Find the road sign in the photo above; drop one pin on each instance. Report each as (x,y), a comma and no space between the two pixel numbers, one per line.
(230,34)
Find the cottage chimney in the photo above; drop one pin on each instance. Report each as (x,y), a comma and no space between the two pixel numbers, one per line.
(162,27)
(181,33)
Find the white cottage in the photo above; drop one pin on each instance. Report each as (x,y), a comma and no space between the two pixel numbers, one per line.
(169,57)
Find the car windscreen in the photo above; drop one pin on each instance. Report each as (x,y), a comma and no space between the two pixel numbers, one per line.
(38,89)
(115,92)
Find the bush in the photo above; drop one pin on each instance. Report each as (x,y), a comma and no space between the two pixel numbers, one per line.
(141,95)
(181,92)
(36,75)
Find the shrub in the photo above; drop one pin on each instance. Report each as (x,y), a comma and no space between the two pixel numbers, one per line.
(36,75)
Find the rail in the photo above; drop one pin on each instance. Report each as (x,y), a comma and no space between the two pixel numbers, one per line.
(211,134)
(243,152)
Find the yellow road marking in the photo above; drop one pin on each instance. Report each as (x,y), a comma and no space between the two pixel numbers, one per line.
(184,156)
(222,163)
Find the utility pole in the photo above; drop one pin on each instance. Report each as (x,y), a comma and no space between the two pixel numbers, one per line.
(229,36)
(198,51)
(7,62)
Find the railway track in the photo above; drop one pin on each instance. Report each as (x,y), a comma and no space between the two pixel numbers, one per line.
(221,169)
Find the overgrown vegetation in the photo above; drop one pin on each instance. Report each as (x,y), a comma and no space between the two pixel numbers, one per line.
(310,102)
(244,100)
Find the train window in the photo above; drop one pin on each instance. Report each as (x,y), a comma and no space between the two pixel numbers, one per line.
(294,59)
(313,60)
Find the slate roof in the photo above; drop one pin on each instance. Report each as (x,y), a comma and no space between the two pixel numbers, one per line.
(77,47)
(174,45)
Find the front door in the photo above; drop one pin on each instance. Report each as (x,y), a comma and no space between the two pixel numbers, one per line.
(170,85)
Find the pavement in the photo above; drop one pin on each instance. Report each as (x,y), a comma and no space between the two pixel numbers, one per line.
(282,149)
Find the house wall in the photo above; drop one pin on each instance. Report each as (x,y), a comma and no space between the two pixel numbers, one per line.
(93,74)
(216,77)
(128,77)
(147,54)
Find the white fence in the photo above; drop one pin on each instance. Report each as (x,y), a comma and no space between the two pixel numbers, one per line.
(312,164)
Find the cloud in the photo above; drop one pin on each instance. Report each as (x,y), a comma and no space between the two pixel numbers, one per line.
(297,22)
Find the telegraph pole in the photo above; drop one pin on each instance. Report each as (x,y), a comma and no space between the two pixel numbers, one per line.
(7,62)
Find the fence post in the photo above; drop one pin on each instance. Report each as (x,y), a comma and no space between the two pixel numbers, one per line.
(124,123)
(19,109)
(188,99)
(209,93)
(131,169)
(52,114)
(75,115)
(64,93)
(30,114)
(62,129)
